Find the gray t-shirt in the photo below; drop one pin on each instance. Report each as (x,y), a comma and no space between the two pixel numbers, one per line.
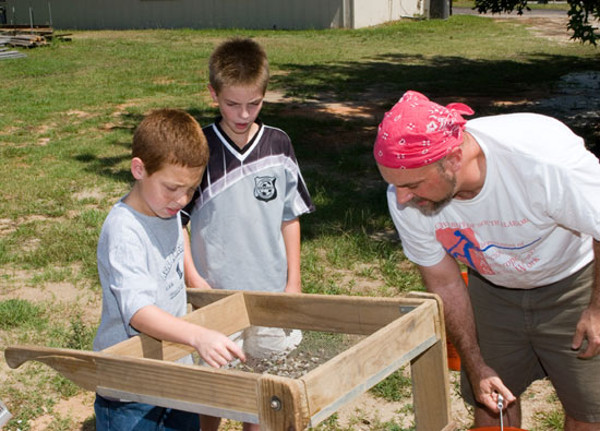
(140,263)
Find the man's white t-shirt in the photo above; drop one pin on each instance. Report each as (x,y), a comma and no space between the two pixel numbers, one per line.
(533,221)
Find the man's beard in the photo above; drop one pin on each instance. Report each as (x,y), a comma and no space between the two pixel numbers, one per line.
(428,207)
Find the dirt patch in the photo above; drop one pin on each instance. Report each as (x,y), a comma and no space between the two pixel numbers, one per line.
(552,27)
(19,285)
(78,114)
(95,194)
(79,410)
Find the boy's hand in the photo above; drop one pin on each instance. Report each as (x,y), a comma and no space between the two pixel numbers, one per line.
(193,279)
(214,347)
(217,350)
(198,283)
(293,287)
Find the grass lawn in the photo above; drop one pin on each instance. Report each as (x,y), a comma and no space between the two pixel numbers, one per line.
(69,110)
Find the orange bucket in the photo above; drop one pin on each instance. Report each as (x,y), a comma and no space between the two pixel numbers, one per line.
(453,356)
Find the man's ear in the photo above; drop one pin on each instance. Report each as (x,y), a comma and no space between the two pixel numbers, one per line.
(454,158)
(138,170)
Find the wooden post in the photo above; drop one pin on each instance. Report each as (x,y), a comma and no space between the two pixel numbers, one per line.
(431,386)
(282,404)
(31,19)
(431,391)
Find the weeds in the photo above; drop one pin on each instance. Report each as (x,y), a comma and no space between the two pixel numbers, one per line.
(396,387)
(78,335)
(550,421)
(19,313)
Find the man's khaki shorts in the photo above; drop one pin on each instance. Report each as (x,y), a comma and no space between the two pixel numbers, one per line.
(526,334)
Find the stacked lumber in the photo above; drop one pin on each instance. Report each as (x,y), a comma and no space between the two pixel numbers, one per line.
(5,54)
(14,29)
(47,33)
(21,37)
(25,40)
(29,37)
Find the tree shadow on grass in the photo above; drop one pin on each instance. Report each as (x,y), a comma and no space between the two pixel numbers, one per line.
(106,166)
(334,150)
(334,147)
(381,80)
(111,166)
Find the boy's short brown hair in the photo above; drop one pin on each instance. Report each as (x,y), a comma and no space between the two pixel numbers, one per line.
(169,136)
(238,61)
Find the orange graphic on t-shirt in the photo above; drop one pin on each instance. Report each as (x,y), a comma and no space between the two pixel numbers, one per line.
(461,244)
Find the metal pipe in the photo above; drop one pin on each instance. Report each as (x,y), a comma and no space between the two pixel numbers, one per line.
(31,19)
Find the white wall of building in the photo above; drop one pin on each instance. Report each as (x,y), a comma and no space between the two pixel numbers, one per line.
(372,12)
(248,14)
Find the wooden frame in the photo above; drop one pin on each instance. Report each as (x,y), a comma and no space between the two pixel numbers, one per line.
(398,331)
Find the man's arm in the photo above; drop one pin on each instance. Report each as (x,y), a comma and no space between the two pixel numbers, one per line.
(588,327)
(445,280)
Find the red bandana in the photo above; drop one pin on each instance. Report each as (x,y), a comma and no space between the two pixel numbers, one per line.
(417,132)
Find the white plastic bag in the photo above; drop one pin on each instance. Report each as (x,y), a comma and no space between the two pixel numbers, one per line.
(263,342)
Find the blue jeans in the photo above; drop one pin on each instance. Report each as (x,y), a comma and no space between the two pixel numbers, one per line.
(119,416)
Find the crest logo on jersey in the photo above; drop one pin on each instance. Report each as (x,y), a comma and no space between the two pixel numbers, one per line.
(264,188)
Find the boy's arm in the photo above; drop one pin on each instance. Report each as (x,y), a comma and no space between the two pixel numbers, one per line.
(215,348)
(291,237)
(192,277)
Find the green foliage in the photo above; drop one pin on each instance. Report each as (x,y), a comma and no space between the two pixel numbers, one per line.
(329,424)
(34,388)
(81,336)
(64,387)
(78,335)
(28,398)
(582,15)
(395,387)
(16,313)
(553,421)
(583,20)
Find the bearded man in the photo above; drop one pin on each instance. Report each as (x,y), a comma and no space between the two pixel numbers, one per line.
(516,199)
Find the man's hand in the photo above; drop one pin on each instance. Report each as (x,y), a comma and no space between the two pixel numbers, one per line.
(588,328)
(486,387)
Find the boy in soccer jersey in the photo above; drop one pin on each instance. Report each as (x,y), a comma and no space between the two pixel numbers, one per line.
(245,231)
(140,263)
